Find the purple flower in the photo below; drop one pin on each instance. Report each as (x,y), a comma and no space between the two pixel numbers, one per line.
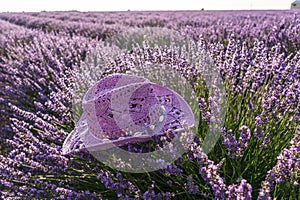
(286,169)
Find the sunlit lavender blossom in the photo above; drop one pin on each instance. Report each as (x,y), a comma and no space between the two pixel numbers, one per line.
(236,147)
(242,190)
(286,169)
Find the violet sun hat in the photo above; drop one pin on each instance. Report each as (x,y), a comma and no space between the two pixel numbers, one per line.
(123,109)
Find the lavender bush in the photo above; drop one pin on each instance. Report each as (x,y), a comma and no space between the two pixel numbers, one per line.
(256,55)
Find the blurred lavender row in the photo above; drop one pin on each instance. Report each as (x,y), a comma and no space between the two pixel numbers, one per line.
(272,27)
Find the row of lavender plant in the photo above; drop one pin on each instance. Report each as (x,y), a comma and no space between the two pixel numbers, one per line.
(268,26)
(92,30)
(35,107)
(263,114)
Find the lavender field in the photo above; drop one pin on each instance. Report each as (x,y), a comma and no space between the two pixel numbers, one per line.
(255,60)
